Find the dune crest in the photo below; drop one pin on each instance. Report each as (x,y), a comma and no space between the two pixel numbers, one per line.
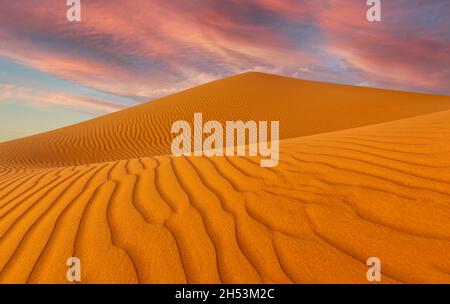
(376,184)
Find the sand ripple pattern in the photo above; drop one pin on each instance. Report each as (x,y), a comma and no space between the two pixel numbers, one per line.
(335,200)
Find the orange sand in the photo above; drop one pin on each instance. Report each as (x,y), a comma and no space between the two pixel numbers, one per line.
(363,173)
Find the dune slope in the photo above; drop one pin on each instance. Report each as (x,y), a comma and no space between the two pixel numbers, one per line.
(368,189)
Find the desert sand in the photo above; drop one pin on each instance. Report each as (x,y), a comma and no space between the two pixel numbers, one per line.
(363,173)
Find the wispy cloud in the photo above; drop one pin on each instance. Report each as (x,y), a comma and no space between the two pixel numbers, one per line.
(164,45)
(14,93)
(6,91)
(146,49)
(410,49)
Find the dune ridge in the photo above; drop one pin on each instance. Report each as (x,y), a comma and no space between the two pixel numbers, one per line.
(338,197)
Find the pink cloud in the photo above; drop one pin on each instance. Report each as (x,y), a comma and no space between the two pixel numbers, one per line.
(177,45)
(147,49)
(89,105)
(6,91)
(400,51)
(13,93)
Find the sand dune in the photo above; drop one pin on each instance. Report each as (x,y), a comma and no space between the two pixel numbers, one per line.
(303,107)
(358,177)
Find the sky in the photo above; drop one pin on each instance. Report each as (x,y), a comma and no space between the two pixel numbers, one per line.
(55,73)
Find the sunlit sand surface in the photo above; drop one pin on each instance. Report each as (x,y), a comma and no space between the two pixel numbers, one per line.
(363,173)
